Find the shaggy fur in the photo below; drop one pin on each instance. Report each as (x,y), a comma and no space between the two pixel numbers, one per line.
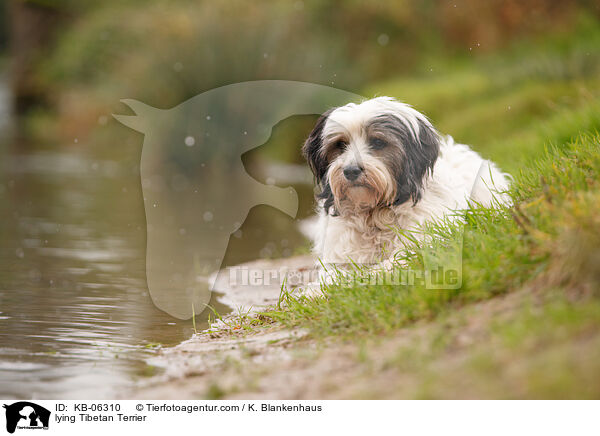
(381,165)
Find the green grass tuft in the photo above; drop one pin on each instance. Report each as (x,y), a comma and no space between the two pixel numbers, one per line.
(503,250)
(536,112)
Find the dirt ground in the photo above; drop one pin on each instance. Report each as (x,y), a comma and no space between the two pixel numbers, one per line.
(468,352)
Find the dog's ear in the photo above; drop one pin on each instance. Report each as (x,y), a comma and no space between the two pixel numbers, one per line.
(311,150)
(420,154)
(327,196)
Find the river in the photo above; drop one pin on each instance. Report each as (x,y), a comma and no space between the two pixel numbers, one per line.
(76,318)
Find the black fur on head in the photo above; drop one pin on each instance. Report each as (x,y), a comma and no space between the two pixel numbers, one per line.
(412,157)
(311,150)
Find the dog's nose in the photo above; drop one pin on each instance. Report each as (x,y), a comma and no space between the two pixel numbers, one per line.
(352,172)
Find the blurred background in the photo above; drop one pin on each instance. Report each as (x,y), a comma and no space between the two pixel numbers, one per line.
(507,76)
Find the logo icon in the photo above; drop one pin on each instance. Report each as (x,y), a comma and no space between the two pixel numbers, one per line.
(26,415)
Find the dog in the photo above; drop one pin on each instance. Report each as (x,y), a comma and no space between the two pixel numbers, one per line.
(382,169)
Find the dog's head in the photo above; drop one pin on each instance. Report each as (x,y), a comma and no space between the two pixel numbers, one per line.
(370,155)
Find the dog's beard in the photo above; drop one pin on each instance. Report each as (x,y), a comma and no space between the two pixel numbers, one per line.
(373,189)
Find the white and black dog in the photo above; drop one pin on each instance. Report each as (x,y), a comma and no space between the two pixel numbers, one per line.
(382,166)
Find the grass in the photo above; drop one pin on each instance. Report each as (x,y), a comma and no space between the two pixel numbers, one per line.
(525,321)
(533,108)
(531,349)
(511,105)
(550,234)
(536,113)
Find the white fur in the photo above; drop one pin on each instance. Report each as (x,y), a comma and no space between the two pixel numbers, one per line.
(460,175)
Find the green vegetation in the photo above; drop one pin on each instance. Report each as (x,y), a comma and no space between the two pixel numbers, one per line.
(511,104)
(550,234)
(528,345)
(164,52)
(538,115)
(520,81)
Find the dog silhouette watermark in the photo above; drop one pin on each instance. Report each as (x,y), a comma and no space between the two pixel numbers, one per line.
(188,151)
(198,145)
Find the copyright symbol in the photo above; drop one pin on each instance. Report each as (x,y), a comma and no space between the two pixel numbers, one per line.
(139,407)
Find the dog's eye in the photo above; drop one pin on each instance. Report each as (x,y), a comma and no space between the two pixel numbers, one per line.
(377,143)
(341,144)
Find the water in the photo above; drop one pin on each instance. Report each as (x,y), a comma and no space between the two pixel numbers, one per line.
(76,320)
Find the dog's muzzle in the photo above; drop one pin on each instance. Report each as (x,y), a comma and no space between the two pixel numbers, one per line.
(352,172)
